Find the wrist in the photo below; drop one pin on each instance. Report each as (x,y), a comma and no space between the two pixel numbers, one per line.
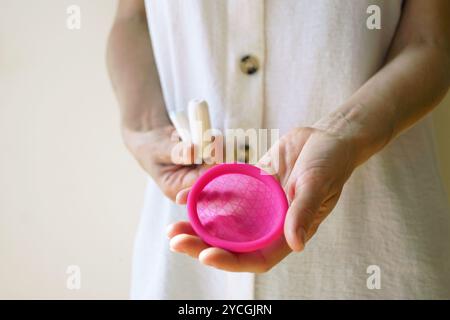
(139,121)
(141,116)
(138,142)
(354,124)
(131,138)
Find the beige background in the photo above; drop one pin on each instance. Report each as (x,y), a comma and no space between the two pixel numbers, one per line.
(69,192)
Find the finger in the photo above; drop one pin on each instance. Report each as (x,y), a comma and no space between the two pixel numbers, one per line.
(166,141)
(182,227)
(180,153)
(269,163)
(182,196)
(175,178)
(233,262)
(256,262)
(300,216)
(188,244)
(213,150)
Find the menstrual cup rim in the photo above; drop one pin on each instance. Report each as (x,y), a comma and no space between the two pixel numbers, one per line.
(249,170)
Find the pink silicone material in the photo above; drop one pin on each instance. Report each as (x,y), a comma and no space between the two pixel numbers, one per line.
(236,207)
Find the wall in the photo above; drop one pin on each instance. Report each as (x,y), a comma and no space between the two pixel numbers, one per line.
(69,192)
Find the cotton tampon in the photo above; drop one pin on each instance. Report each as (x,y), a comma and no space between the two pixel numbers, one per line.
(199,122)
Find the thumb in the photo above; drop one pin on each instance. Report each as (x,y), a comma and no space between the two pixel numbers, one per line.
(301,215)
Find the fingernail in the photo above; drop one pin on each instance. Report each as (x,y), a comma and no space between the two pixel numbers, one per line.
(175,250)
(302,237)
(201,258)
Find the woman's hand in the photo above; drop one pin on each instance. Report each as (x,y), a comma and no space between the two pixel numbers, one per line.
(312,166)
(167,160)
(145,124)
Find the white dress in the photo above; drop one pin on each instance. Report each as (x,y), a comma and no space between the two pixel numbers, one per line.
(313,55)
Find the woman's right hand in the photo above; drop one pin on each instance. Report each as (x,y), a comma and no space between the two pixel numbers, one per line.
(167,160)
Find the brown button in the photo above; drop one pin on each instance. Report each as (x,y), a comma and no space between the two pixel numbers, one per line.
(249,64)
(245,153)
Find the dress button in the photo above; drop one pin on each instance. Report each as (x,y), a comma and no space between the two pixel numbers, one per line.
(249,64)
(244,154)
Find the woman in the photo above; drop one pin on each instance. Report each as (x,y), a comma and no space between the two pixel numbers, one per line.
(348,83)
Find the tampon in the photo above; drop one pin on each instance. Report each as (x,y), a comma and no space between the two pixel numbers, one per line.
(199,122)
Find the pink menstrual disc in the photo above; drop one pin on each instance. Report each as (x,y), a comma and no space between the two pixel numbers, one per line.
(237,207)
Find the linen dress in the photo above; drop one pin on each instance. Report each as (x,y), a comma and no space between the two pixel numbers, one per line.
(312,56)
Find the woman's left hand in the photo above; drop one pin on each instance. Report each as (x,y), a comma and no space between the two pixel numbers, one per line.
(312,166)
